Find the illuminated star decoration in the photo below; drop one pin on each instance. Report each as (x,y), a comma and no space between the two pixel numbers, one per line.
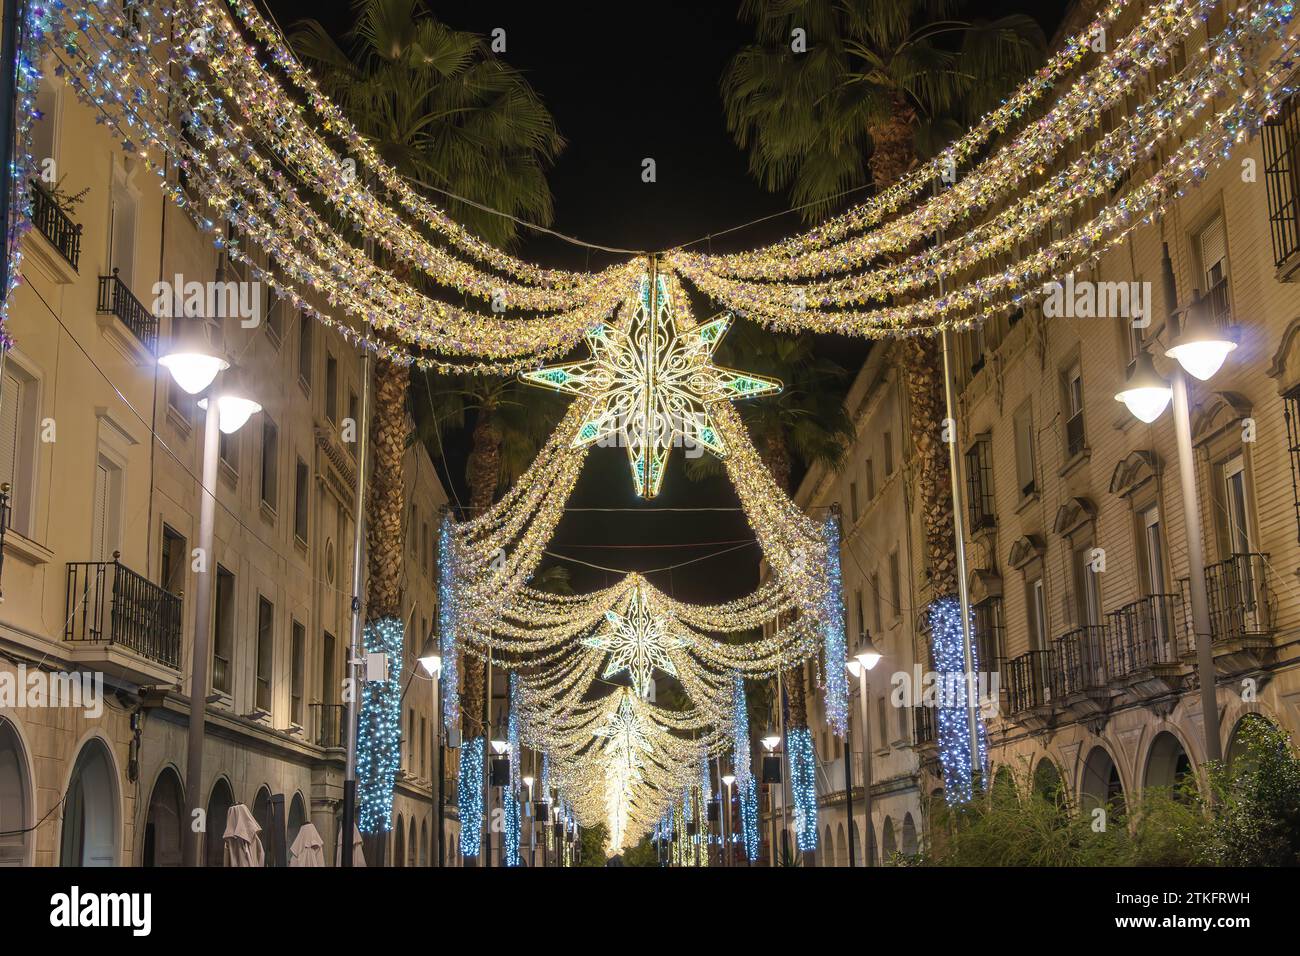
(652,381)
(637,642)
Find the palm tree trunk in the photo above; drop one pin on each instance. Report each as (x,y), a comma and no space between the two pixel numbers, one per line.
(386,493)
(894,153)
(482,471)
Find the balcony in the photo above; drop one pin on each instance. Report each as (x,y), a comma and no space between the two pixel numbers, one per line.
(1082,673)
(4,526)
(923,721)
(120,621)
(1032,686)
(1147,643)
(1241,612)
(1218,304)
(116,299)
(55,225)
(330,721)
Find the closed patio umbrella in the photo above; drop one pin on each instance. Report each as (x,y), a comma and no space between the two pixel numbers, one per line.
(358,857)
(243,846)
(308,848)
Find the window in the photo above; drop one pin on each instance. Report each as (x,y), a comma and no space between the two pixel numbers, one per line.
(1152,552)
(424,752)
(354,415)
(223,631)
(853,501)
(425,542)
(301,491)
(871,480)
(1037,609)
(862,614)
(979,484)
(332,388)
(1074,437)
(298,651)
(121,242)
(275,319)
(875,603)
(1212,247)
(304,349)
(171,573)
(45,128)
(988,632)
(329,687)
(265,651)
(1282,176)
(228,450)
(1087,596)
(18,437)
(411,542)
(882,722)
(889,454)
(1236,508)
(106,509)
(270,462)
(895,584)
(1026,465)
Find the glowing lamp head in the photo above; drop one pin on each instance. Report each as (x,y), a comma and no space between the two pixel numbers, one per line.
(191,359)
(866,658)
(1202,346)
(528,782)
(1145,393)
(432,664)
(232,412)
(771,741)
(728,779)
(499,747)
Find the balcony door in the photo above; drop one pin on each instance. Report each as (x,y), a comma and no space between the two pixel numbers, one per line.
(1240,577)
(1153,626)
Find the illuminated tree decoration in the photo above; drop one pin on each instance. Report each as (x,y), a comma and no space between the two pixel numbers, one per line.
(803,786)
(448,610)
(637,641)
(379,737)
(833,645)
(746,790)
(469,796)
(956,689)
(512,821)
(651,380)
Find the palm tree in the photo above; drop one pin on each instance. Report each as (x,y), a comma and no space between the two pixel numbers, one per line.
(882,83)
(445,112)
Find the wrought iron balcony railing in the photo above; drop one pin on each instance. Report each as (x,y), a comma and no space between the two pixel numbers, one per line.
(4,527)
(1240,604)
(1217,302)
(116,299)
(1081,659)
(1032,680)
(55,225)
(1144,634)
(923,721)
(329,724)
(110,603)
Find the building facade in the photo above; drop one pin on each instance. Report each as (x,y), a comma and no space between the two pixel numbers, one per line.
(101,456)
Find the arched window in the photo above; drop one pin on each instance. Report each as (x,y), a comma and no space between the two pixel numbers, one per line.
(424,842)
(15,798)
(90,810)
(399,843)
(412,849)
(888,846)
(1168,765)
(910,846)
(827,850)
(856,836)
(1101,786)
(841,846)
(219,804)
(297,816)
(163,827)
(1238,743)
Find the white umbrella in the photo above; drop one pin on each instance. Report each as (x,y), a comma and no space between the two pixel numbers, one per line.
(308,848)
(243,846)
(358,857)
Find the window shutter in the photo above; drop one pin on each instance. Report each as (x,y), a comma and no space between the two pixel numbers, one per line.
(1214,246)
(99,516)
(11,400)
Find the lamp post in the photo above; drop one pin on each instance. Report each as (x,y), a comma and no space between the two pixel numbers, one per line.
(727,781)
(194,365)
(499,748)
(862,662)
(770,743)
(1200,349)
(432,664)
(528,802)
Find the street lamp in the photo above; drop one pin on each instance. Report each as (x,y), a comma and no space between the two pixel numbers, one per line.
(727,780)
(771,741)
(1200,350)
(1145,393)
(194,365)
(858,665)
(432,664)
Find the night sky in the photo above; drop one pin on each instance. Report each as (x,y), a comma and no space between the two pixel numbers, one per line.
(626,82)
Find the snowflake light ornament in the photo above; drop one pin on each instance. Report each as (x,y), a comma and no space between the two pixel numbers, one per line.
(637,641)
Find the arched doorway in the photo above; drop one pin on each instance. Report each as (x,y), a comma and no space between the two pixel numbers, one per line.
(399,843)
(888,843)
(1047,781)
(1168,765)
(15,798)
(412,850)
(1003,790)
(163,827)
(1101,785)
(219,803)
(826,852)
(91,823)
(1240,738)
(297,816)
(910,846)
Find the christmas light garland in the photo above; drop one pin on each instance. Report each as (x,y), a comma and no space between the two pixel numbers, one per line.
(379,738)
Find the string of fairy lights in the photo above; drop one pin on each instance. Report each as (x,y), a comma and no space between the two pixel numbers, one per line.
(208,98)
